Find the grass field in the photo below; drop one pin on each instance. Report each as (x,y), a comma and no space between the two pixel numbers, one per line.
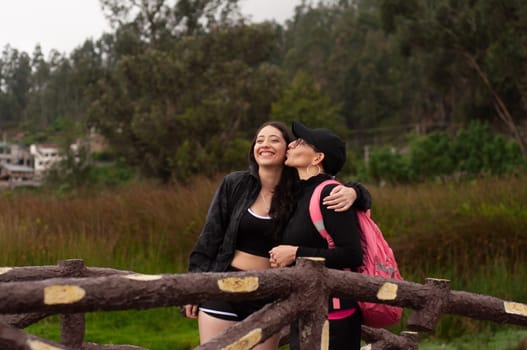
(164,329)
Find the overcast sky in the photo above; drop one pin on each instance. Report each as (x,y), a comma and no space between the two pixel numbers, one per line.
(65,24)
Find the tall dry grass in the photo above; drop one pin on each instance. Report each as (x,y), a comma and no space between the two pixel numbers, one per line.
(147,228)
(464,226)
(456,226)
(473,233)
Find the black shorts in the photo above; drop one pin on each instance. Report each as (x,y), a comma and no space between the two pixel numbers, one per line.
(231,310)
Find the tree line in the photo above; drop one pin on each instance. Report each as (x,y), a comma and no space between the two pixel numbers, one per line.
(179,86)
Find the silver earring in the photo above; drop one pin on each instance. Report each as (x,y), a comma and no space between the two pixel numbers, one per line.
(318,170)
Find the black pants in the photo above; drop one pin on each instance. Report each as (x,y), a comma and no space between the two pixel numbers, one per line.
(344,334)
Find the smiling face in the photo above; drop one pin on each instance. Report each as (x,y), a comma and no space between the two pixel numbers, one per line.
(269,147)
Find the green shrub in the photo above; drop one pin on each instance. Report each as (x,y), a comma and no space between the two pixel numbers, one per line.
(77,170)
(473,151)
(477,150)
(235,155)
(385,164)
(430,156)
(103,156)
(218,156)
(113,175)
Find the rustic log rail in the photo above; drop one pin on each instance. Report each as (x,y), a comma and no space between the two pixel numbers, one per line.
(301,292)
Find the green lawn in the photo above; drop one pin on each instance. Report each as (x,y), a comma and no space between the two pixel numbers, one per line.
(155,329)
(164,329)
(501,340)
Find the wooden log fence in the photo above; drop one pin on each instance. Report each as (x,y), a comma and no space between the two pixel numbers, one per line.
(28,294)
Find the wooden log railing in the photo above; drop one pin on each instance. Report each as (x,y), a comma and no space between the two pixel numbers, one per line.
(300,293)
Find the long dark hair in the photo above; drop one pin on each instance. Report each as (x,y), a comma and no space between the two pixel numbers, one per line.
(283,201)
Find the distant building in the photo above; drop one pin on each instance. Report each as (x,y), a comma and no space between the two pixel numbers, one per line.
(21,166)
(97,143)
(15,154)
(93,143)
(16,165)
(13,172)
(45,156)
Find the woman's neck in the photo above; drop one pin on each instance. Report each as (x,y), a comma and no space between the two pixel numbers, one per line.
(269,177)
(306,173)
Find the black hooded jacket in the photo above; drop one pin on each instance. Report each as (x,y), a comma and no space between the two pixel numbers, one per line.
(216,244)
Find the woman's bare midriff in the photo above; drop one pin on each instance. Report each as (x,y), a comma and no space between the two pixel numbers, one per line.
(245,261)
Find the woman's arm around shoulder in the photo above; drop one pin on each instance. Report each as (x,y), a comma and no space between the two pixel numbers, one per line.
(343,197)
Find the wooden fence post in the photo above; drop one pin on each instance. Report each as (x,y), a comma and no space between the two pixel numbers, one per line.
(426,318)
(15,339)
(313,327)
(73,326)
(383,339)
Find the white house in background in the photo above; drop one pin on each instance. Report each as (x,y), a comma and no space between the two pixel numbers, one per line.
(14,172)
(16,164)
(45,155)
(11,153)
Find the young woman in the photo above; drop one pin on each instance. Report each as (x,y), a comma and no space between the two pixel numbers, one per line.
(318,155)
(248,212)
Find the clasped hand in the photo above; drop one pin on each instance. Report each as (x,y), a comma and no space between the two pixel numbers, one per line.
(282,255)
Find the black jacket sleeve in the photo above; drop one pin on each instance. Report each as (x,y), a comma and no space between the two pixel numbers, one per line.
(211,237)
(363,201)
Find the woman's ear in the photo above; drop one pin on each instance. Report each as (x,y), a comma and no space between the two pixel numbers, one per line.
(319,157)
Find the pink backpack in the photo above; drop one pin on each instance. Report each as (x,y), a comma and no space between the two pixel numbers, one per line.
(378,260)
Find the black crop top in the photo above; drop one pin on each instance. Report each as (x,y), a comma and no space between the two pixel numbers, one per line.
(255,234)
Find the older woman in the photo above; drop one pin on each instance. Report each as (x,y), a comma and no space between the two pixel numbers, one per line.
(318,155)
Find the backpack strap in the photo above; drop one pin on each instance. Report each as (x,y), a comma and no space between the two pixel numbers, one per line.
(318,221)
(316,214)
